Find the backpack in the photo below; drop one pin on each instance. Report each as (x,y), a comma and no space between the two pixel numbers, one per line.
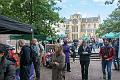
(4,66)
(73,48)
(33,57)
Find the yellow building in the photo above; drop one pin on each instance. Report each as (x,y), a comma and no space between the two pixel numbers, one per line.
(76,26)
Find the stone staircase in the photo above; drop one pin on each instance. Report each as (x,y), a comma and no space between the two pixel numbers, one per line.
(94,56)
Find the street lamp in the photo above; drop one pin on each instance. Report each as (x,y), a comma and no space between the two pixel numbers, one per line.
(31,16)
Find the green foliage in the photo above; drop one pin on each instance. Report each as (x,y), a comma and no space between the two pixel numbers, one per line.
(111,24)
(112,1)
(40,13)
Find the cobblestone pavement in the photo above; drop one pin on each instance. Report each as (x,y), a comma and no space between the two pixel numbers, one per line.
(95,72)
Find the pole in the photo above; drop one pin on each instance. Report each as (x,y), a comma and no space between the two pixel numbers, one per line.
(31,16)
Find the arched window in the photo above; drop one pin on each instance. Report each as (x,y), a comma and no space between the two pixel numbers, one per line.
(94,25)
(75,28)
(88,25)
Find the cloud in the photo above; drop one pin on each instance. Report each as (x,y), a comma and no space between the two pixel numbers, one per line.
(83,2)
(64,1)
(71,5)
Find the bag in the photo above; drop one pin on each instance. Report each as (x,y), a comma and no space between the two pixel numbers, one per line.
(33,57)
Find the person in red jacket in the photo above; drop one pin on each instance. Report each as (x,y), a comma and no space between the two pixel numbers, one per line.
(106,53)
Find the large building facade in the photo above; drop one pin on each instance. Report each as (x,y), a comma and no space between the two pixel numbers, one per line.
(77,26)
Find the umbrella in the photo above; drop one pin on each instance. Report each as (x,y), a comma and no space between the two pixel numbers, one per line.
(117,35)
(104,36)
(61,36)
(85,38)
(109,35)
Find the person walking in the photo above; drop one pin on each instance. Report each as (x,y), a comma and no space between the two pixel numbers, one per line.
(106,54)
(7,68)
(84,52)
(66,50)
(25,61)
(58,64)
(74,50)
(36,51)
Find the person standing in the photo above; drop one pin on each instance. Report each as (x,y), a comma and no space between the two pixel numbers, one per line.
(41,47)
(58,64)
(25,61)
(66,50)
(36,51)
(84,52)
(73,49)
(106,53)
(7,68)
(116,59)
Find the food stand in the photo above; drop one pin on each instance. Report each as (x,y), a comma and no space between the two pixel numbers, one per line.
(10,26)
(49,51)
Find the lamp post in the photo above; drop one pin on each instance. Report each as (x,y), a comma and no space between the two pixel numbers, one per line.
(31,16)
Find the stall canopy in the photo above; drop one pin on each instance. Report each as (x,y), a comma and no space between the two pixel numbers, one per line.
(9,26)
(109,35)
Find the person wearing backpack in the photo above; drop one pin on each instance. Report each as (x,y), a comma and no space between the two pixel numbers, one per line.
(25,61)
(7,68)
(106,53)
(36,51)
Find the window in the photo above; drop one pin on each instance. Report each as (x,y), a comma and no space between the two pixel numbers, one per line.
(89,30)
(83,30)
(74,36)
(75,21)
(94,25)
(67,27)
(88,25)
(74,28)
(83,25)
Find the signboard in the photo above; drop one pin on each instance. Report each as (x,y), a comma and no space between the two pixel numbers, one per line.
(50,47)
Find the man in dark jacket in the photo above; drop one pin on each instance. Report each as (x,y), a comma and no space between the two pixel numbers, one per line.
(107,53)
(25,61)
(84,51)
(7,68)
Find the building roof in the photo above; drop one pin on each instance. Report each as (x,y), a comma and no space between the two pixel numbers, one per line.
(90,19)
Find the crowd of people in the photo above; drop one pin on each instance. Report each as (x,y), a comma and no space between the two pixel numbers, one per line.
(30,60)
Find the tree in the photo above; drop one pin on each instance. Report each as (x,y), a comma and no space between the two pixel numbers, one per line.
(112,1)
(40,13)
(111,24)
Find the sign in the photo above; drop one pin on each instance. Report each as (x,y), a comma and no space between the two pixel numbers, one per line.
(50,47)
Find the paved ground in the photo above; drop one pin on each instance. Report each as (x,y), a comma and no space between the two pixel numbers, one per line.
(94,72)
